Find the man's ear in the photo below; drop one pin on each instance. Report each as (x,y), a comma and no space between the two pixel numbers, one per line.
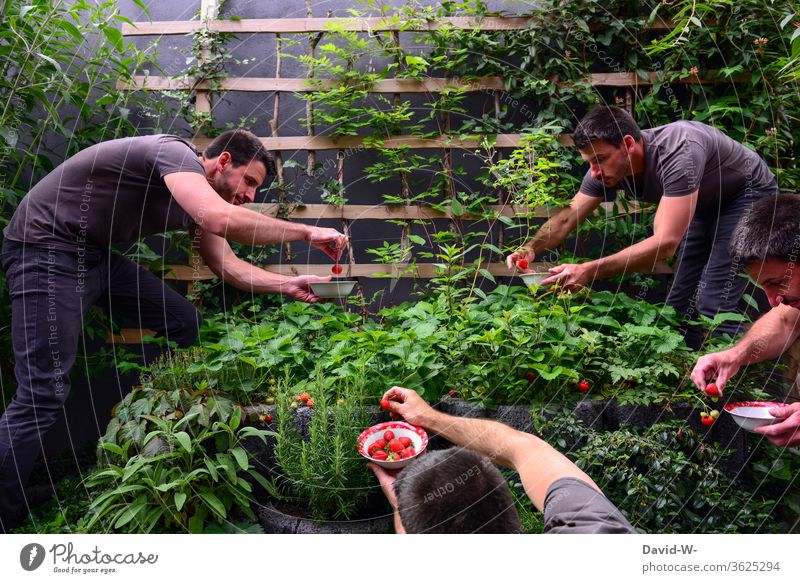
(224,161)
(629,142)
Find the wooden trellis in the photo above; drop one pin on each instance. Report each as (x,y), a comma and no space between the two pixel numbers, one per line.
(315,28)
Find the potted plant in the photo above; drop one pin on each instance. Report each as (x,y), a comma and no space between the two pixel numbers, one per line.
(320,483)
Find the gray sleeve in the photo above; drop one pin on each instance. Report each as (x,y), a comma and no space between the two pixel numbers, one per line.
(572,506)
(681,169)
(592,187)
(175,155)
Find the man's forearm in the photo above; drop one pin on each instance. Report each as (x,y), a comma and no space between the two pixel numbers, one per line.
(640,257)
(252,228)
(489,438)
(769,337)
(250,278)
(553,233)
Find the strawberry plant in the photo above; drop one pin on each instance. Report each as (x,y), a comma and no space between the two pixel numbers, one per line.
(664,479)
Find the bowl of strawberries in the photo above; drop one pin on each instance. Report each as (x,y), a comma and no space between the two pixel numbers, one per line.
(392,445)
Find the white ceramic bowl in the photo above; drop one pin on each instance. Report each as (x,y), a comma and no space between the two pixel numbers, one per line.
(534,278)
(332,289)
(751,414)
(417,435)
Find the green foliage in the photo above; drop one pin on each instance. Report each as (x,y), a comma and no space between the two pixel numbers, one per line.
(533,174)
(324,471)
(482,344)
(172,460)
(665,480)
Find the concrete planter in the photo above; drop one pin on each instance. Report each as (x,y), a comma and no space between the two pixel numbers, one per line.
(282,521)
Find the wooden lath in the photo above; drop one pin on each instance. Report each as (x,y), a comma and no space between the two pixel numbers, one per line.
(359,143)
(370,270)
(411,212)
(432,85)
(262,84)
(305,25)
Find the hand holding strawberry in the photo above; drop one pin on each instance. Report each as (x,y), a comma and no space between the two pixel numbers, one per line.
(409,405)
(520,259)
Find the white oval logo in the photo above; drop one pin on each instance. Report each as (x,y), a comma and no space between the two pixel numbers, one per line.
(31,556)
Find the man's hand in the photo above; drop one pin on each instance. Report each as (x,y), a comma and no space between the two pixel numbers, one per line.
(409,405)
(787,432)
(522,253)
(298,288)
(573,276)
(386,478)
(717,365)
(331,241)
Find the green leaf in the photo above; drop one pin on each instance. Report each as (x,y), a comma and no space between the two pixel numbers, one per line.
(113,448)
(184,440)
(180,500)
(143,6)
(213,503)
(114,36)
(456,208)
(241,457)
(750,301)
(129,514)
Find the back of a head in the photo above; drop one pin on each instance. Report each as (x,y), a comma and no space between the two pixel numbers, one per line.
(455,491)
(606,123)
(243,146)
(769,229)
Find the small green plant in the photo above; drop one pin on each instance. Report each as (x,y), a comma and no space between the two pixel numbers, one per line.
(324,469)
(189,475)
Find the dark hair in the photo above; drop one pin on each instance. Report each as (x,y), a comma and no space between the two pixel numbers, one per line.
(455,491)
(243,146)
(768,229)
(605,123)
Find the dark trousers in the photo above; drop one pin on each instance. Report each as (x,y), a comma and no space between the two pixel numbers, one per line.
(707,279)
(51,292)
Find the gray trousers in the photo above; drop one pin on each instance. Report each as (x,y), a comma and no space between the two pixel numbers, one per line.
(707,279)
(51,291)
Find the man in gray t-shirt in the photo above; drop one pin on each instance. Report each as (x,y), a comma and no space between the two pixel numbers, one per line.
(702,181)
(458,490)
(58,263)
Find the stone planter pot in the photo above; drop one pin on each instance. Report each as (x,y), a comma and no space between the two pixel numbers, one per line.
(281,521)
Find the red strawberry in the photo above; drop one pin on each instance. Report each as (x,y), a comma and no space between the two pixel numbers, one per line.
(385,404)
(409,452)
(530,376)
(706,419)
(336,269)
(304,397)
(522,264)
(380,455)
(310,403)
(388,436)
(583,386)
(452,392)
(267,418)
(396,445)
(406,441)
(380,444)
(712,390)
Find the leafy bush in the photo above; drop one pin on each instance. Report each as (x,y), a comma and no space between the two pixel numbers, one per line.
(172,461)
(665,480)
(484,347)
